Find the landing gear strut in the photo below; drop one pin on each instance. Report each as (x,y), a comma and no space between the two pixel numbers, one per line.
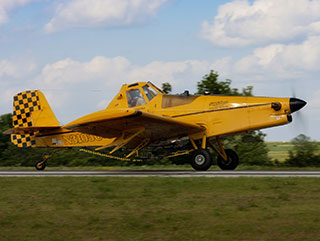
(227,159)
(41,165)
(231,163)
(202,160)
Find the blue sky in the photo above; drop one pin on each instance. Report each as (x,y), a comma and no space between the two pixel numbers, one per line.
(89,48)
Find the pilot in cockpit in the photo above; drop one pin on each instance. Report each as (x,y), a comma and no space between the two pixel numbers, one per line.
(135,98)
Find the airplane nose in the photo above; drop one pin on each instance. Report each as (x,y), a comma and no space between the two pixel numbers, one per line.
(296,104)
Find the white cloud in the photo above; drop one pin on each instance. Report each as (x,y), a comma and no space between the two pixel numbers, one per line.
(70,72)
(181,74)
(241,23)
(6,98)
(284,61)
(7,5)
(77,85)
(107,13)
(76,88)
(314,104)
(102,72)
(14,75)
(112,72)
(6,68)
(16,69)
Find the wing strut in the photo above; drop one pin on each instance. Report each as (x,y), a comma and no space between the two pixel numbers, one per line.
(220,152)
(123,140)
(144,143)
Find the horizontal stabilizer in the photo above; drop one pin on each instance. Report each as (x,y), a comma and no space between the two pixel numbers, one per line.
(23,130)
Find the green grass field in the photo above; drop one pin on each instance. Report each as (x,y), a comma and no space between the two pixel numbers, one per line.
(279,150)
(104,208)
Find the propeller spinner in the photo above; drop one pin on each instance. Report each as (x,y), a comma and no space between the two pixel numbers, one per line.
(296,104)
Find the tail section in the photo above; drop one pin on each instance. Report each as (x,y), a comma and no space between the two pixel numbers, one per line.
(30,111)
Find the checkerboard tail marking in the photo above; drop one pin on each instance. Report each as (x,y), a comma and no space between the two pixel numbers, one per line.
(24,104)
(27,140)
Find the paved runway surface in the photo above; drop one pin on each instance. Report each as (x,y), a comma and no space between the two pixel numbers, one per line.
(162,173)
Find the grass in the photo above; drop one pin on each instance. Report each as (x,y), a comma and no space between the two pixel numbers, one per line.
(279,150)
(114,208)
(172,167)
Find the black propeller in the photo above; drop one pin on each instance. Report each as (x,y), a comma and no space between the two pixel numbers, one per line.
(296,104)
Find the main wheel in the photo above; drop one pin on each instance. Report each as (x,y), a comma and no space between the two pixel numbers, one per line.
(231,163)
(40,165)
(201,160)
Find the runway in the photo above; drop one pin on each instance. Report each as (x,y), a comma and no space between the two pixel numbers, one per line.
(160,173)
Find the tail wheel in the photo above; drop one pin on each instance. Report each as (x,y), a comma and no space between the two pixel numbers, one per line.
(201,160)
(40,165)
(231,163)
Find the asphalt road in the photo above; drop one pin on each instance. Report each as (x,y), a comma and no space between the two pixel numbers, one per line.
(162,173)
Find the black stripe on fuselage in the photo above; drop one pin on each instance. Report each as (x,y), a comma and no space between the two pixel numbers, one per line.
(230,108)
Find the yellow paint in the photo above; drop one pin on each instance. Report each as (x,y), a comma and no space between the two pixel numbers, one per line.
(195,116)
(65,138)
(219,114)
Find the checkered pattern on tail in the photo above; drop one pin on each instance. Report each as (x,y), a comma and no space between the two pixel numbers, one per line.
(24,104)
(27,140)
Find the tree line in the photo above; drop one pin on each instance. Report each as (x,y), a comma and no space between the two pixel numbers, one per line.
(251,147)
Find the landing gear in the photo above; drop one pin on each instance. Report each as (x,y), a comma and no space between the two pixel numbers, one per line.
(232,160)
(41,165)
(201,160)
(227,159)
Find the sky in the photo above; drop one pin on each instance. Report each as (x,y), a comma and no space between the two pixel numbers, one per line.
(80,52)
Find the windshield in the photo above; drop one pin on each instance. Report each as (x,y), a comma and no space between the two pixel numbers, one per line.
(135,98)
(156,88)
(149,92)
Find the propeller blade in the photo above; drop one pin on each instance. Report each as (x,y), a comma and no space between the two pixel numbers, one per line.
(295,105)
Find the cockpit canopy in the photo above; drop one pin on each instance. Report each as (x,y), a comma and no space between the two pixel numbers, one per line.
(138,94)
(133,95)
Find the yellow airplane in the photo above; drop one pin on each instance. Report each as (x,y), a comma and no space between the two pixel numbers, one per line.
(142,115)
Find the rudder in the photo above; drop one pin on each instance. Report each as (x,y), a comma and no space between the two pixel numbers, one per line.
(31,109)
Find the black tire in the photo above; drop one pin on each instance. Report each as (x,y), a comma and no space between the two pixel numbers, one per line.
(201,160)
(40,165)
(231,163)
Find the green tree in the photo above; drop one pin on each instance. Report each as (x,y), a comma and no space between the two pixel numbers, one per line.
(303,153)
(210,85)
(166,87)
(5,124)
(250,147)
(10,155)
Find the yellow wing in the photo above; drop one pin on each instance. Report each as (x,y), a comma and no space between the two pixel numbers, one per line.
(110,124)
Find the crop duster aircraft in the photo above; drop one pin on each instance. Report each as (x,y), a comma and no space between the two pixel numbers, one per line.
(142,115)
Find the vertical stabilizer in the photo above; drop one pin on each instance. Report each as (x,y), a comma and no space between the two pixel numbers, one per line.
(31,109)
